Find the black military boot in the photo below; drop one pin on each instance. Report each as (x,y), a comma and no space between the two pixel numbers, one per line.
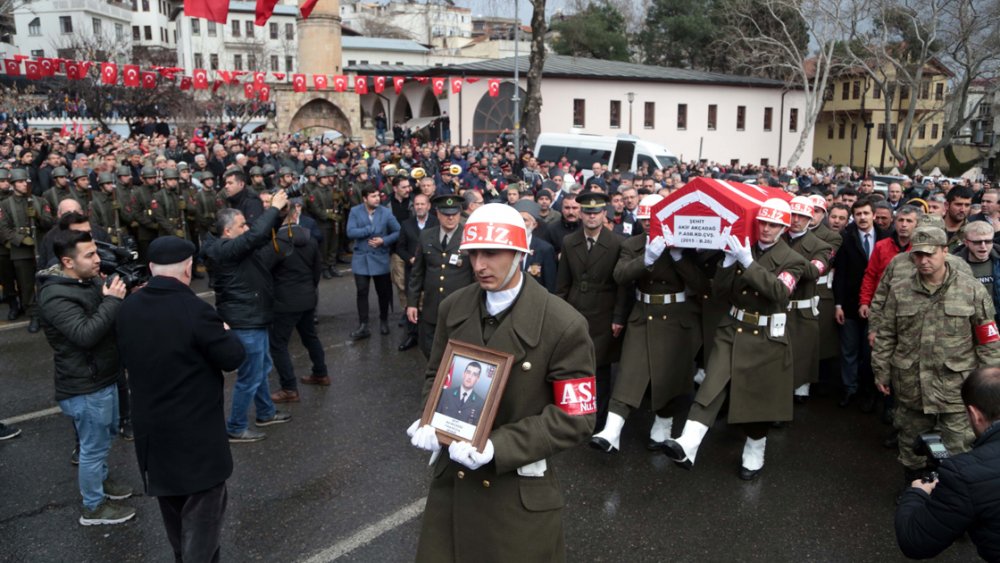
(34,325)
(361,333)
(15,308)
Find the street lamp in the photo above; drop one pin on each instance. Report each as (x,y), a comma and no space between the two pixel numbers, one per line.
(631,98)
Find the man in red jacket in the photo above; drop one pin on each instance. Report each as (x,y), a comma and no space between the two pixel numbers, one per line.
(885,250)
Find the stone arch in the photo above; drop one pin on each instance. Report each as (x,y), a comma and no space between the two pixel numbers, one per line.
(430,106)
(402,112)
(320,114)
(495,114)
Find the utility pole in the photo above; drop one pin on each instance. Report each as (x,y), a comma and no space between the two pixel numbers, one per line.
(517,78)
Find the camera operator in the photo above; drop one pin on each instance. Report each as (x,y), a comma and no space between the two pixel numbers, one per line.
(240,262)
(78,314)
(965,496)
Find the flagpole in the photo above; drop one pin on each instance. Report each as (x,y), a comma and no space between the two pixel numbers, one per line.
(517,79)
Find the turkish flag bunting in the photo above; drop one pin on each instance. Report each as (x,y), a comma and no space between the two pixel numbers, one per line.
(258,80)
(33,70)
(494,86)
(397,83)
(379,84)
(84,69)
(131,76)
(360,84)
(185,83)
(168,72)
(225,76)
(319,80)
(12,67)
(200,79)
(149,80)
(249,91)
(21,57)
(456,85)
(64,131)
(472,80)
(339,83)
(421,79)
(73,70)
(437,85)
(212,10)
(265,93)
(48,66)
(216,85)
(264,10)
(299,82)
(307,8)
(109,74)
(279,75)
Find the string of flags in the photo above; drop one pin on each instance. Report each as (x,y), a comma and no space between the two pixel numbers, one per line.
(133,76)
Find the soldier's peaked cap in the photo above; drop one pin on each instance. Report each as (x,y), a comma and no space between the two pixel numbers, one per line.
(593,202)
(448,204)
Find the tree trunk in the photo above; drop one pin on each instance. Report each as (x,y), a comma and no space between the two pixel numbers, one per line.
(533,104)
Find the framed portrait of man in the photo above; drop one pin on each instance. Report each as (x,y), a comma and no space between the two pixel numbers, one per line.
(468,386)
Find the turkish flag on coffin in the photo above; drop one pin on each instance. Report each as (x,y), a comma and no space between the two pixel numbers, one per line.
(700,214)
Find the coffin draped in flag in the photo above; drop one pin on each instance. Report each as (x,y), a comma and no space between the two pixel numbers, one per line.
(705,210)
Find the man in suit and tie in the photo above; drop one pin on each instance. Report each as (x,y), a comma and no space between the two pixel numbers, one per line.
(407,247)
(439,269)
(461,401)
(851,260)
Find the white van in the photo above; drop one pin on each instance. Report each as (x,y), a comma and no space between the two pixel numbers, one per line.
(625,152)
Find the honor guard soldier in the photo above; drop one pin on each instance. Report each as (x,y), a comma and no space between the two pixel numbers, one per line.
(439,269)
(25,218)
(829,337)
(937,327)
(105,209)
(269,172)
(325,206)
(286,178)
(504,503)
(803,306)
(207,203)
(751,358)
(257,182)
(142,205)
(81,186)
(170,209)
(585,279)
(662,336)
(6,266)
(61,189)
(123,193)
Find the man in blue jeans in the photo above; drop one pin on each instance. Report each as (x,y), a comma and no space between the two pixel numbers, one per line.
(78,313)
(241,261)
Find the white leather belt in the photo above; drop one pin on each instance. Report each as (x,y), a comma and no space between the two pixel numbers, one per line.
(660,299)
(826,280)
(748,317)
(803,303)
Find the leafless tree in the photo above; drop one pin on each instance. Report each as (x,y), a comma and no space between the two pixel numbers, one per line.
(533,97)
(375,27)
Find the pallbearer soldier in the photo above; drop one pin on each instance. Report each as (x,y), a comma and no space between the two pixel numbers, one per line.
(829,337)
(803,306)
(24,218)
(662,336)
(751,361)
(585,279)
(170,211)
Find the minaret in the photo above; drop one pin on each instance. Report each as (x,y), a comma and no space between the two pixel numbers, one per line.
(319,39)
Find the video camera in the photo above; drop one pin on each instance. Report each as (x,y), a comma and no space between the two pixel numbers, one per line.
(932,447)
(120,261)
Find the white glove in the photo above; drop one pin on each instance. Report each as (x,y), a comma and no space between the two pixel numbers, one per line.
(654,249)
(676,254)
(739,252)
(413,428)
(425,438)
(466,454)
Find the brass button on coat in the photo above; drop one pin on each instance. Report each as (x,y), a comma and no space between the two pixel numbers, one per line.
(526,366)
(486,484)
(461,474)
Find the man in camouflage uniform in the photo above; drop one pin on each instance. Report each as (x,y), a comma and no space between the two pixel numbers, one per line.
(937,326)
(170,209)
(24,218)
(105,208)
(141,206)
(325,205)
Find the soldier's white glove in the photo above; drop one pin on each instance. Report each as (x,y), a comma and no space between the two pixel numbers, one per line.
(738,252)
(654,249)
(466,454)
(413,428)
(676,254)
(425,438)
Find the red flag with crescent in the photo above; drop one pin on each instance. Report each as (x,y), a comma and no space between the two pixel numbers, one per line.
(12,67)
(437,85)
(361,84)
(200,79)
(185,83)
(494,86)
(248,91)
(258,80)
(379,84)
(397,84)
(48,66)
(299,82)
(319,80)
(265,93)
(32,70)
(339,83)
(109,74)
(149,80)
(73,70)
(456,85)
(131,76)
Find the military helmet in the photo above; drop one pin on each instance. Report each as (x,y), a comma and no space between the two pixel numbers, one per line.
(79,173)
(341,166)
(326,172)
(268,169)
(362,168)
(181,166)
(171,174)
(310,171)
(19,174)
(204,175)
(60,172)
(105,178)
(148,172)
(4,174)
(256,171)
(123,171)
(285,170)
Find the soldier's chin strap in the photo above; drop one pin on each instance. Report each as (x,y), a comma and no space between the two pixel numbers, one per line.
(514,266)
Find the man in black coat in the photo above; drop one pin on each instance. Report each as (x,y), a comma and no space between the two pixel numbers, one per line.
(239,197)
(850,263)
(964,497)
(406,248)
(569,223)
(176,348)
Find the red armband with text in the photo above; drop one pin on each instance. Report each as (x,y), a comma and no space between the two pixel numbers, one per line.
(789,281)
(576,397)
(987,333)
(819,266)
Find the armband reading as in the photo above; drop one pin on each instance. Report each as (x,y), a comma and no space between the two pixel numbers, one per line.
(576,397)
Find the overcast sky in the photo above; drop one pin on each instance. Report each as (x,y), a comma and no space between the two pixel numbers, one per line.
(505,8)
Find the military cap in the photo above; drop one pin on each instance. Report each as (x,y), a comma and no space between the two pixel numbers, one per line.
(79,173)
(592,202)
(105,178)
(285,170)
(268,169)
(256,171)
(123,171)
(60,172)
(170,250)
(418,173)
(171,174)
(182,166)
(928,239)
(448,204)
(148,172)
(19,174)
(310,171)
(4,174)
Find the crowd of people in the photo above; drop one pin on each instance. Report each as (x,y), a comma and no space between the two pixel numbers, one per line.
(887,298)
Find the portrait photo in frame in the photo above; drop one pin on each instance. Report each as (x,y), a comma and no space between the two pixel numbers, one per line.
(466,394)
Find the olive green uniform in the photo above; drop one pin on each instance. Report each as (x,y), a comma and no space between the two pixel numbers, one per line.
(803,307)
(168,209)
(829,336)
(105,211)
(438,271)
(326,206)
(24,219)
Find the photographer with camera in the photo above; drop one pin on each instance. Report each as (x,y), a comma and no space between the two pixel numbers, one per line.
(78,314)
(240,263)
(964,497)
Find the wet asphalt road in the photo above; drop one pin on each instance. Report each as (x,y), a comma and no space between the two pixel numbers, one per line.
(342,482)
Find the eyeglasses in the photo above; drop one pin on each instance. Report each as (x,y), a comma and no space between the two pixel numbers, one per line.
(971,242)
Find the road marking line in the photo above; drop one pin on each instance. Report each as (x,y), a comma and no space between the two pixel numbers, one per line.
(32,415)
(368,534)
